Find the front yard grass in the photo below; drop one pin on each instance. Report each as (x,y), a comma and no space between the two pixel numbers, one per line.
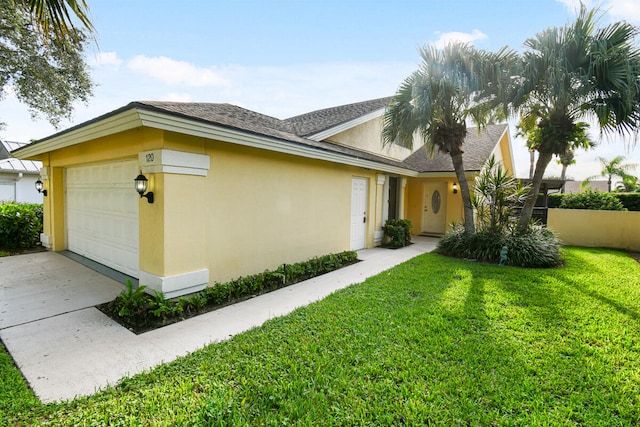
(433,341)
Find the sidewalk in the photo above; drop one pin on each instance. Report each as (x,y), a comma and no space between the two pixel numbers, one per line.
(79,352)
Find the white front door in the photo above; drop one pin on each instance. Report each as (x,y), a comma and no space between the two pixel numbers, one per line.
(434,213)
(101,208)
(358,213)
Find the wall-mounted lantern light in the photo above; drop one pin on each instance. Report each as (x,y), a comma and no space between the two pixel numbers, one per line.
(141,186)
(40,187)
(455,188)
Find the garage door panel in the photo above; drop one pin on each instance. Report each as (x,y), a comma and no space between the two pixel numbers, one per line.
(102,214)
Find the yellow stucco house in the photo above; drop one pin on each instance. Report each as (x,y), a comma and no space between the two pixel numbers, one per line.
(236,192)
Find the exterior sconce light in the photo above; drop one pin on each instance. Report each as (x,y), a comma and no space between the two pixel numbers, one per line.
(40,187)
(455,188)
(141,186)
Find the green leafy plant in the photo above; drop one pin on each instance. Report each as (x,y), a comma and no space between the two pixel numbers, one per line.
(160,306)
(130,300)
(539,247)
(141,312)
(398,232)
(20,225)
(630,201)
(497,194)
(594,200)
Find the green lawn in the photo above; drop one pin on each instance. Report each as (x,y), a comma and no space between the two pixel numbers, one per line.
(435,340)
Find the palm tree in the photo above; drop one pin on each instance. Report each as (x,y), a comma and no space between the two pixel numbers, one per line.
(435,102)
(611,168)
(567,158)
(571,73)
(54,18)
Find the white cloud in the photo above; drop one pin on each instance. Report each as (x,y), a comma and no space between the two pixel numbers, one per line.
(455,36)
(626,10)
(173,72)
(106,59)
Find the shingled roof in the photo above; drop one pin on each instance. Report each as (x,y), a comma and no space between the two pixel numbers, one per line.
(296,130)
(320,120)
(249,121)
(477,149)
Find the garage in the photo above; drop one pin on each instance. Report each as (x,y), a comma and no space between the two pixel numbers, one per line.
(101,214)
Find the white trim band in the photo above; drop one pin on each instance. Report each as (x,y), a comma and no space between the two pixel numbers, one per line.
(176,285)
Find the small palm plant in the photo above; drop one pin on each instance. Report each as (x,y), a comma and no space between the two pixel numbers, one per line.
(496,196)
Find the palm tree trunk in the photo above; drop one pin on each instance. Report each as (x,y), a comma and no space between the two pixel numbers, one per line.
(469,225)
(563,176)
(527,210)
(532,160)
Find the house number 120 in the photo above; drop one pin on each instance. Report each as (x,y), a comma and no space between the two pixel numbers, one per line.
(149,157)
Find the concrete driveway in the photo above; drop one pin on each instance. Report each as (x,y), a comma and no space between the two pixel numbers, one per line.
(65,347)
(46,284)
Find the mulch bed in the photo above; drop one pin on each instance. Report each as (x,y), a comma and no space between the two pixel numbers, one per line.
(17,251)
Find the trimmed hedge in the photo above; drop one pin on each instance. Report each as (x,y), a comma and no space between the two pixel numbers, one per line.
(141,312)
(592,200)
(630,201)
(554,200)
(20,225)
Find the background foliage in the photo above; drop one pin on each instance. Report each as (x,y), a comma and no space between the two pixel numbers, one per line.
(593,200)
(630,201)
(46,75)
(20,225)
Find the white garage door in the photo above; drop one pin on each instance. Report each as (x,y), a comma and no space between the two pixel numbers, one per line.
(102,214)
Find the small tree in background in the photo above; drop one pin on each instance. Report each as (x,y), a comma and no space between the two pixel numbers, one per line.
(611,168)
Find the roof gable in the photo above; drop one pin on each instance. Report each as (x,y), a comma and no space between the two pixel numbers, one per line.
(328,121)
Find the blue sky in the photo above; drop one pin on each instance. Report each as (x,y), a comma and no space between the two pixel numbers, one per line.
(286,57)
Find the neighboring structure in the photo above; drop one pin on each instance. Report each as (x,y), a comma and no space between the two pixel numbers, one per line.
(236,192)
(576,186)
(18,177)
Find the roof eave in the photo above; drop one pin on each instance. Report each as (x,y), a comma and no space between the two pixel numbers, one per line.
(133,116)
(119,121)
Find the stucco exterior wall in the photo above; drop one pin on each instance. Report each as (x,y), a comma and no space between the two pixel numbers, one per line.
(415,196)
(367,137)
(607,229)
(254,209)
(263,209)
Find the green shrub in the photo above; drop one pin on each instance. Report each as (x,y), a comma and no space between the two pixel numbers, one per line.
(537,248)
(132,305)
(631,201)
(554,200)
(130,301)
(20,225)
(160,306)
(398,231)
(594,200)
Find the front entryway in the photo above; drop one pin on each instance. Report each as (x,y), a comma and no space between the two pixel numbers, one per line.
(358,213)
(434,213)
(101,209)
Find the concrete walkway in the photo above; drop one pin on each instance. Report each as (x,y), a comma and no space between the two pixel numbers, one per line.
(79,350)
